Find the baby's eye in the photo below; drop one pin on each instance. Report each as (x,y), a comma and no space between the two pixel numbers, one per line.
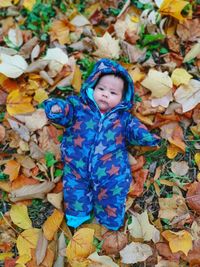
(113,93)
(101,89)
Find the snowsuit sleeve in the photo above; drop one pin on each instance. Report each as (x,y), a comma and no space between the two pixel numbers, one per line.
(64,116)
(138,134)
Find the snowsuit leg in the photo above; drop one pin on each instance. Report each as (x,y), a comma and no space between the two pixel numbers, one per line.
(77,195)
(110,199)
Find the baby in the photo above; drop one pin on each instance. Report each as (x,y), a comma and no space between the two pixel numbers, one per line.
(97,173)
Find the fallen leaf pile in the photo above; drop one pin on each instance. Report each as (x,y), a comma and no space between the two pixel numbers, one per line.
(48,49)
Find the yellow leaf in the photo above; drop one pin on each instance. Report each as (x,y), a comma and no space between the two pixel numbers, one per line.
(25,242)
(40,95)
(76,81)
(12,169)
(28,4)
(5,3)
(60,30)
(172,151)
(107,46)
(141,228)
(81,245)
(198,177)
(5,186)
(17,103)
(197,159)
(159,83)
(195,51)
(19,216)
(173,8)
(180,76)
(6,255)
(52,224)
(178,241)
(89,11)
(137,75)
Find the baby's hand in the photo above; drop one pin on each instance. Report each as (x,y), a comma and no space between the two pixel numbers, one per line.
(56,109)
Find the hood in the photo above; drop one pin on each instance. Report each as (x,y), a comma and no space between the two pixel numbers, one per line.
(106,66)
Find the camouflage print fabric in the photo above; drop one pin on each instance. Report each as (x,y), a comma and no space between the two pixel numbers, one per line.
(97,174)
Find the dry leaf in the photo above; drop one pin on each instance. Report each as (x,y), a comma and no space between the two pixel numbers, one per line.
(113,242)
(12,168)
(12,66)
(56,54)
(194,52)
(31,191)
(107,46)
(141,228)
(81,245)
(60,30)
(178,241)
(51,225)
(28,4)
(159,83)
(20,129)
(15,36)
(172,207)
(180,168)
(55,199)
(173,8)
(34,121)
(77,81)
(135,252)
(193,197)
(19,216)
(5,3)
(17,103)
(103,261)
(163,101)
(25,242)
(180,76)
(188,95)
(195,229)
(41,248)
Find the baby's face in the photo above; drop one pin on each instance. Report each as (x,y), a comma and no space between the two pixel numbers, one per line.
(108,92)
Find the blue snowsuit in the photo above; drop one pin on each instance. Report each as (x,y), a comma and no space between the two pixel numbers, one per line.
(97,173)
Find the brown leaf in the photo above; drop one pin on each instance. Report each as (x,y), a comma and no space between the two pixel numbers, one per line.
(27,48)
(114,241)
(41,248)
(31,191)
(184,30)
(12,169)
(137,187)
(193,197)
(2,132)
(165,252)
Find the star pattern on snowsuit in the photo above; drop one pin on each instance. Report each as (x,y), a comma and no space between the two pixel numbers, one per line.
(111,211)
(100,149)
(119,139)
(102,194)
(101,172)
(114,170)
(90,124)
(77,125)
(116,190)
(110,136)
(78,141)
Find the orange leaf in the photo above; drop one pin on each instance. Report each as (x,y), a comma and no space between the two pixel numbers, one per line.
(177,138)
(76,81)
(52,224)
(10,85)
(137,188)
(17,103)
(12,169)
(193,197)
(22,180)
(60,31)
(139,164)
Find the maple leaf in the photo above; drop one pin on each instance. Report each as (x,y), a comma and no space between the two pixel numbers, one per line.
(173,8)
(81,245)
(107,46)
(178,241)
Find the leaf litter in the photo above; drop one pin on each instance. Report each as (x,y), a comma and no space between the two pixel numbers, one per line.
(48,48)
